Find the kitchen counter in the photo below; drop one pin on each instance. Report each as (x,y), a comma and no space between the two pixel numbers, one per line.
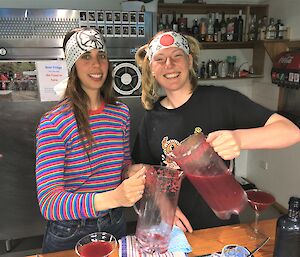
(210,240)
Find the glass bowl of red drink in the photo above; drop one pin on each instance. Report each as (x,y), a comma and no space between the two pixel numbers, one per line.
(98,244)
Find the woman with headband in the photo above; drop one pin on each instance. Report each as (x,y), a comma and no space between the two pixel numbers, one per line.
(82,150)
(231,121)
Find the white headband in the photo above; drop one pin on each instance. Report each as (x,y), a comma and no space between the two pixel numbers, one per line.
(81,42)
(166,40)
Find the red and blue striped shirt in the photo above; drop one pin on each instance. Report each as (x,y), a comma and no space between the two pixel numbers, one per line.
(67,177)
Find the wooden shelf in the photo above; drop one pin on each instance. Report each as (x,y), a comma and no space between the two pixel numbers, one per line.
(228,78)
(268,44)
(226,45)
(206,8)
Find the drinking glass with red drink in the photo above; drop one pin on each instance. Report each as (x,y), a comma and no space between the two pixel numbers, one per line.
(98,244)
(259,201)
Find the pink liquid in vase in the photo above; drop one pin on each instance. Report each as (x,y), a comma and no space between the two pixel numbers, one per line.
(96,249)
(152,241)
(209,174)
(222,193)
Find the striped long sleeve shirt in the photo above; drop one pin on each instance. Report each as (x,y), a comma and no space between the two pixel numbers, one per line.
(67,177)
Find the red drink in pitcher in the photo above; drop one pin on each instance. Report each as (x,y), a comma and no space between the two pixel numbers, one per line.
(209,174)
(221,192)
(153,241)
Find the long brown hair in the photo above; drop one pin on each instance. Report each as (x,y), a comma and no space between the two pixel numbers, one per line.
(149,85)
(78,100)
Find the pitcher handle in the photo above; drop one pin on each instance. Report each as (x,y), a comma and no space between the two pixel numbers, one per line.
(137,211)
(231,166)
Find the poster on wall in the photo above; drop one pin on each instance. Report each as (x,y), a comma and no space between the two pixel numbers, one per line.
(18,82)
(49,74)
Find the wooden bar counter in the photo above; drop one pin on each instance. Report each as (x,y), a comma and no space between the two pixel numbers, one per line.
(210,240)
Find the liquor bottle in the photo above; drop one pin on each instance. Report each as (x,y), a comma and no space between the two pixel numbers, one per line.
(203,29)
(174,23)
(263,29)
(195,29)
(202,71)
(279,29)
(252,33)
(260,29)
(210,29)
(167,24)
(239,27)
(230,29)
(223,28)
(271,30)
(287,239)
(182,24)
(161,25)
(217,29)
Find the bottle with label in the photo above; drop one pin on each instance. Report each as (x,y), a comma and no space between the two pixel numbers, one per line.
(167,23)
(230,29)
(202,72)
(202,29)
(182,24)
(271,30)
(279,29)
(223,28)
(287,239)
(239,27)
(217,29)
(252,34)
(195,29)
(161,25)
(261,34)
(174,23)
(210,29)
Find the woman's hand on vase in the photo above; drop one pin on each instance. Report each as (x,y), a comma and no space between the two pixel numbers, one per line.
(131,189)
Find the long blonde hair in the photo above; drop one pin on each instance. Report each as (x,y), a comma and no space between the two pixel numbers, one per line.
(150,86)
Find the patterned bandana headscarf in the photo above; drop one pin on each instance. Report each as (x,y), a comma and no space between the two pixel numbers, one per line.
(81,42)
(166,40)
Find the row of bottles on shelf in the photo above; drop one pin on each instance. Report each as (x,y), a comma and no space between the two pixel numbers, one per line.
(207,29)
(229,28)
(227,68)
(262,29)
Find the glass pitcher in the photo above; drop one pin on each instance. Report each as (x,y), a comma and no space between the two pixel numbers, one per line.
(208,173)
(157,208)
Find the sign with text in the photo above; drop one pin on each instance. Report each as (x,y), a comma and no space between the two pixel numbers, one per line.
(49,74)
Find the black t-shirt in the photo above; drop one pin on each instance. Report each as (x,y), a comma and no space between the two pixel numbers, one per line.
(210,108)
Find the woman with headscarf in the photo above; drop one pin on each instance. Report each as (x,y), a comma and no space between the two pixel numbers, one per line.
(83,151)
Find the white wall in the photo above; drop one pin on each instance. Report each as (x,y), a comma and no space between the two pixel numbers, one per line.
(283,174)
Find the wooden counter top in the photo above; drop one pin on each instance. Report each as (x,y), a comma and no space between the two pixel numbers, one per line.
(210,240)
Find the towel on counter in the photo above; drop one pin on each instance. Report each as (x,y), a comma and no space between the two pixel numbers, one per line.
(178,241)
(178,246)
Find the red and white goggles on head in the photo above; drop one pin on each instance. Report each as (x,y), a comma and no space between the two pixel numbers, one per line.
(166,40)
